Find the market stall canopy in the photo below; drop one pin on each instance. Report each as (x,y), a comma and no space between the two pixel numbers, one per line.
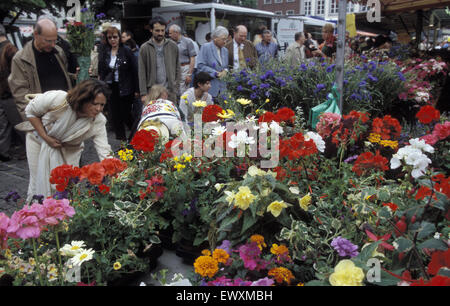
(207,7)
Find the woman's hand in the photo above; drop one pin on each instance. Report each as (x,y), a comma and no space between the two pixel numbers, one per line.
(52,142)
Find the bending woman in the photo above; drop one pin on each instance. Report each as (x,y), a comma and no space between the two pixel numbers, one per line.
(58,124)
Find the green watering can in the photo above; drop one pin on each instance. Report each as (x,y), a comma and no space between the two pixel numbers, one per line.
(329,106)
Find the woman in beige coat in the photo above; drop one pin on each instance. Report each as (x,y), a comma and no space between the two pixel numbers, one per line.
(58,124)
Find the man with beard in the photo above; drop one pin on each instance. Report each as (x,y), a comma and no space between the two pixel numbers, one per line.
(159,62)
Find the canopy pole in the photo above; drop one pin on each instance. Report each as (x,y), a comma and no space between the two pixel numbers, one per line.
(340,52)
(213,19)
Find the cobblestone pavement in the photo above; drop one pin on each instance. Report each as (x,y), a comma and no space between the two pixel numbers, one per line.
(14,176)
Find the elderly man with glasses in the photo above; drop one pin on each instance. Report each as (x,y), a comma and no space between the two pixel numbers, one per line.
(40,66)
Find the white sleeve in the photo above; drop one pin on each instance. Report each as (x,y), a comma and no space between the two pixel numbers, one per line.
(45,102)
(100,139)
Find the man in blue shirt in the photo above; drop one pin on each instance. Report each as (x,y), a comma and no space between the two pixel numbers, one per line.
(266,49)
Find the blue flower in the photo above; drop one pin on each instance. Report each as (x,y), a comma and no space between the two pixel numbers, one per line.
(84,9)
(267,94)
(253,96)
(362,83)
(372,78)
(264,85)
(319,87)
(303,67)
(100,16)
(239,88)
(281,82)
(330,68)
(356,96)
(250,82)
(90,26)
(401,76)
(254,87)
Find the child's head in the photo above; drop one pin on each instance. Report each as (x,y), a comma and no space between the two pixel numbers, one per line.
(201,78)
(157,92)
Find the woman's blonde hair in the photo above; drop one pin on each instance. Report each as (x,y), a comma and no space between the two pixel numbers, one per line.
(155,93)
(329,28)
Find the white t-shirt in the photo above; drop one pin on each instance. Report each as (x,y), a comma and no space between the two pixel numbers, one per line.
(112,63)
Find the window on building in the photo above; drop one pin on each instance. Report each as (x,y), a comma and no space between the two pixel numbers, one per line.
(350,7)
(267,1)
(278,13)
(278,1)
(320,10)
(290,12)
(307,7)
(290,0)
(334,8)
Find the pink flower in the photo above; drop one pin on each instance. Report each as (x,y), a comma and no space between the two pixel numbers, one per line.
(55,210)
(263,282)
(442,131)
(430,139)
(327,122)
(25,223)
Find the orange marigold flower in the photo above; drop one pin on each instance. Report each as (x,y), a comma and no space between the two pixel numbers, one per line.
(221,256)
(278,249)
(281,275)
(206,266)
(259,241)
(206,252)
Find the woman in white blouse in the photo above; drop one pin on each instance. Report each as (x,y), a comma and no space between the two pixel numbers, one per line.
(202,84)
(58,124)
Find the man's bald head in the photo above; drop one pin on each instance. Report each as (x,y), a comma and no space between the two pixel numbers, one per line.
(240,35)
(45,35)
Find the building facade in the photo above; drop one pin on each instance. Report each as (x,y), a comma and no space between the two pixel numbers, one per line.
(326,9)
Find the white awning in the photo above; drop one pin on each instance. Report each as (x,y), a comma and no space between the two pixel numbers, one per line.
(206,7)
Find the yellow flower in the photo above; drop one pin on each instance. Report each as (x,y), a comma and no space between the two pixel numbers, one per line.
(199,103)
(184,97)
(31,261)
(389,143)
(267,100)
(221,256)
(243,101)
(179,167)
(8,254)
(374,138)
(187,157)
(279,249)
(259,240)
(301,284)
(276,207)
(257,111)
(117,265)
(206,252)
(206,266)
(305,201)
(230,197)
(346,274)
(244,198)
(176,158)
(125,154)
(226,114)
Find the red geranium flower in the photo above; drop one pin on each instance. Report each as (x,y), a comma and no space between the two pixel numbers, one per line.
(61,176)
(93,172)
(113,166)
(144,140)
(428,114)
(388,127)
(439,259)
(104,189)
(296,147)
(391,205)
(423,192)
(210,113)
(367,161)
(285,114)
(268,117)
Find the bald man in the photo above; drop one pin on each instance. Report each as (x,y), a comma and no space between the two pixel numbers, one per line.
(241,52)
(40,66)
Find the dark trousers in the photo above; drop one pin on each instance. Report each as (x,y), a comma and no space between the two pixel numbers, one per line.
(9,117)
(120,108)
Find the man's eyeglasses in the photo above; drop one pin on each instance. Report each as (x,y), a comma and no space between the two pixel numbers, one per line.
(113,37)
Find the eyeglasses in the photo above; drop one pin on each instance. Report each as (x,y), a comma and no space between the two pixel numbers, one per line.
(113,37)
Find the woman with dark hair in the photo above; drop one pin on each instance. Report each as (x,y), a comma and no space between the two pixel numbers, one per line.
(202,84)
(58,124)
(117,66)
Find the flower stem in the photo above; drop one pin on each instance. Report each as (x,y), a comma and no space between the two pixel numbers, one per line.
(37,262)
(59,256)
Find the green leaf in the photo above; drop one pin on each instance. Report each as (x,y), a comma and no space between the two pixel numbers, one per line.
(433,244)
(249,220)
(383,195)
(154,239)
(316,283)
(228,220)
(367,252)
(426,228)
(404,244)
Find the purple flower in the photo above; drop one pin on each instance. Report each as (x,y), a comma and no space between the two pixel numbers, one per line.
(226,245)
(330,68)
(84,9)
(13,195)
(264,85)
(263,282)
(303,67)
(350,159)
(372,78)
(100,16)
(362,83)
(319,87)
(344,247)
(401,76)
(239,88)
